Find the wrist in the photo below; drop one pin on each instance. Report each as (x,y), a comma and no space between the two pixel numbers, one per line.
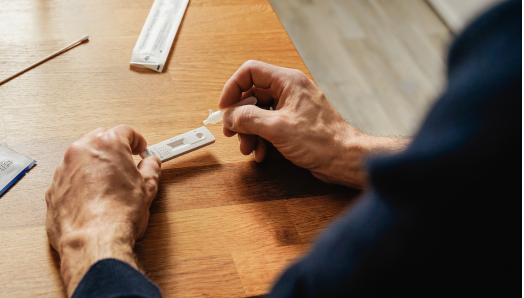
(82,248)
(348,166)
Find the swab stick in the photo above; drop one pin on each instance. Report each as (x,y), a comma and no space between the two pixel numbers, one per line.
(85,37)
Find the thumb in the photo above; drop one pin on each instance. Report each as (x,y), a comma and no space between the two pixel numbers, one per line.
(251,120)
(150,169)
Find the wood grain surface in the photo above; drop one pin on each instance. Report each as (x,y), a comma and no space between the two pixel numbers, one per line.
(221,225)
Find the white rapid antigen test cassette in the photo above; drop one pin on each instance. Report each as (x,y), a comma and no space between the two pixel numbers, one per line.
(180,145)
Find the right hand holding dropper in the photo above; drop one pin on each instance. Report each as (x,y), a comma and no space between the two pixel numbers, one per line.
(304,126)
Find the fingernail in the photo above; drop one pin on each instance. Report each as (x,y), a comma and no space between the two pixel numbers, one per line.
(227,118)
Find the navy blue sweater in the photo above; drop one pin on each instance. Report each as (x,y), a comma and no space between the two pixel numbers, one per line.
(442,217)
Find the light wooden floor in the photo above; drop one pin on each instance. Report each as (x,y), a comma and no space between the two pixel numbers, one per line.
(380,62)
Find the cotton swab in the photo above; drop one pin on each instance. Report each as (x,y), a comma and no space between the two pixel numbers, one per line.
(84,38)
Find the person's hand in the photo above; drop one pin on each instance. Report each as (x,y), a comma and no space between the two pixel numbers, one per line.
(304,126)
(98,202)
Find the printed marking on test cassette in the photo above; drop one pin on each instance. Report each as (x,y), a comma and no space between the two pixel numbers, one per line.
(180,145)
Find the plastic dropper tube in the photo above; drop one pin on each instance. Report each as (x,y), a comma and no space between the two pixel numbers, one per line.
(218,115)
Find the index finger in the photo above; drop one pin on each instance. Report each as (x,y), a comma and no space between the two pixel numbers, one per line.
(252,73)
(135,140)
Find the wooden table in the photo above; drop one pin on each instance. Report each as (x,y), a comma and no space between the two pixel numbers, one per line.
(221,225)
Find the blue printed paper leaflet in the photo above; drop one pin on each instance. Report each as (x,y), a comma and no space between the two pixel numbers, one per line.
(13,166)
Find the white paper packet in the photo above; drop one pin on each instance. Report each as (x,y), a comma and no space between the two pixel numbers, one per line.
(13,166)
(158,33)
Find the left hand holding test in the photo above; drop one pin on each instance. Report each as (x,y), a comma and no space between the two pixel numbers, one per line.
(98,202)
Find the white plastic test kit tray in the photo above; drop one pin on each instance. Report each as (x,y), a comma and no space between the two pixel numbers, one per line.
(157,35)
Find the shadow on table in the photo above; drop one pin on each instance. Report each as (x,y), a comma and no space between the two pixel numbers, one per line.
(275,182)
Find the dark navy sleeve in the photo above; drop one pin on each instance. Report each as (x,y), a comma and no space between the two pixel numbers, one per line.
(443,217)
(112,278)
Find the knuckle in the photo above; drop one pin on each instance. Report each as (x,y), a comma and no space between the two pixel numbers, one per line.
(250,63)
(151,185)
(300,77)
(297,76)
(99,137)
(138,193)
(296,72)
(155,173)
(280,126)
(280,122)
(73,150)
(158,170)
(122,127)
(153,162)
(99,140)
